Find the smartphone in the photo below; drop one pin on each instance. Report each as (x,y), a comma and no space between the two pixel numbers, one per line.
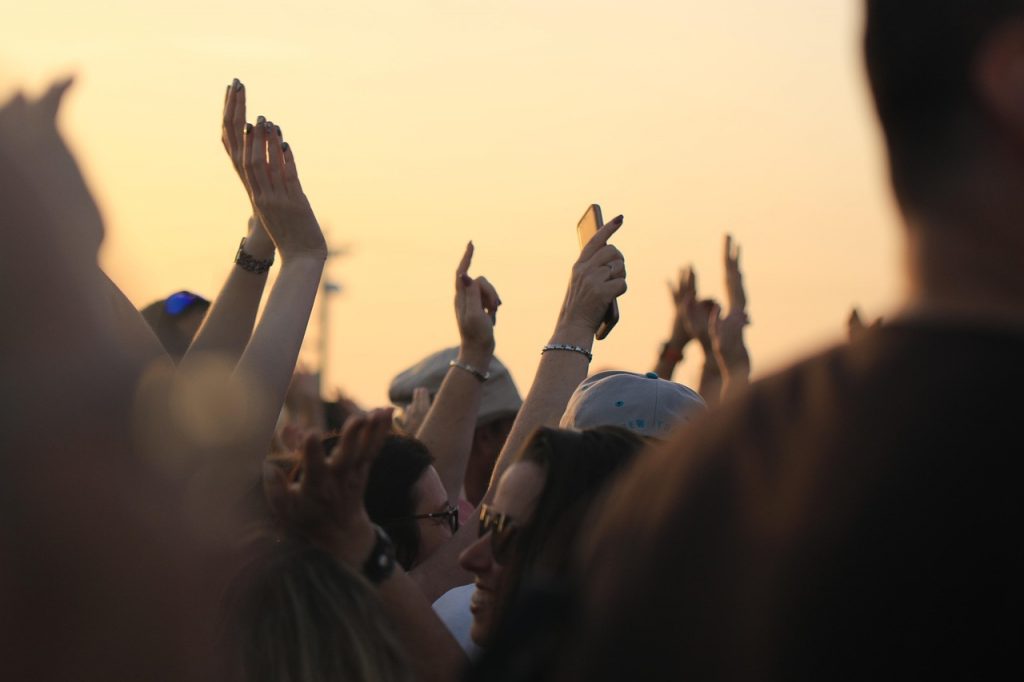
(586,228)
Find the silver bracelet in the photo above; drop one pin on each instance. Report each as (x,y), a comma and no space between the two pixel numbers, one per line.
(481,376)
(565,346)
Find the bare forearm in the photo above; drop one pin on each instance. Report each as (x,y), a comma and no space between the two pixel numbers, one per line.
(229,323)
(710,378)
(558,375)
(433,652)
(135,336)
(448,428)
(269,359)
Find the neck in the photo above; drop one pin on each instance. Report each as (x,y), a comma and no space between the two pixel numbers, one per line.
(967,260)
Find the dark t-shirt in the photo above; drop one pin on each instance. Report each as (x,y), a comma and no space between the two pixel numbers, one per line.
(856,516)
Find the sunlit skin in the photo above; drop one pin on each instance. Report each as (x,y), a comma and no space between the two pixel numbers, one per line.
(421,126)
(515,496)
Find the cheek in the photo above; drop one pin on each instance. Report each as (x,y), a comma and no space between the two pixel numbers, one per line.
(432,536)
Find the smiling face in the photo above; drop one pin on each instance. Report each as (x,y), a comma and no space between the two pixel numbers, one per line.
(430,498)
(515,498)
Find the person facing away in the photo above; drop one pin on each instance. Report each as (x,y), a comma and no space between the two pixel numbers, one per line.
(857,515)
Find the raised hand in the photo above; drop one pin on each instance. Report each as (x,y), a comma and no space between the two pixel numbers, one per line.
(683,296)
(734,277)
(232,135)
(322,497)
(726,335)
(856,326)
(476,308)
(598,278)
(411,418)
(31,144)
(233,126)
(277,195)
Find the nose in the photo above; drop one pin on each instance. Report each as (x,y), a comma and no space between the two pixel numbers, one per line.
(477,558)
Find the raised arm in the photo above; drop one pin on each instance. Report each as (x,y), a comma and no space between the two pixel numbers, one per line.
(269,359)
(672,351)
(228,324)
(323,501)
(448,428)
(598,277)
(727,332)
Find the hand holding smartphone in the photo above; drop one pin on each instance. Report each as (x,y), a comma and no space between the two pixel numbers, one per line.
(586,228)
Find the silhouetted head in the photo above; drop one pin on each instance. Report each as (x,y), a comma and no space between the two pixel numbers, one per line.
(948,84)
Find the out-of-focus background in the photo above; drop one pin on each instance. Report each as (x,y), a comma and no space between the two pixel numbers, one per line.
(420,124)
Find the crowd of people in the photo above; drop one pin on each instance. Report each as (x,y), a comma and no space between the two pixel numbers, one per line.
(181,503)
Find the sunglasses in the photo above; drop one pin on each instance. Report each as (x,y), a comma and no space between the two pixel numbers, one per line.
(503,532)
(176,304)
(450,514)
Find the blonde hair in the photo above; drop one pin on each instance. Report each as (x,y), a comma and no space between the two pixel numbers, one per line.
(294,614)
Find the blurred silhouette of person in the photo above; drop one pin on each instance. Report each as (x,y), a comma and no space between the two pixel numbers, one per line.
(853,516)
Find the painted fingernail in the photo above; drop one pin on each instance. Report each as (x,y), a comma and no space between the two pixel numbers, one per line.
(248,128)
(278,129)
(260,120)
(617,220)
(236,84)
(285,146)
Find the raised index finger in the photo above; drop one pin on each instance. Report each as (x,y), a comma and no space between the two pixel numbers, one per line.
(601,238)
(467,260)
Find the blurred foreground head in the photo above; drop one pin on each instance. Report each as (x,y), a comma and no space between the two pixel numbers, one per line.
(948,83)
(294,613)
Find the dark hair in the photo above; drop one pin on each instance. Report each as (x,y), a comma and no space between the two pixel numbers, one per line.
(294,613)
(920,56)
(390,499)
(577,465)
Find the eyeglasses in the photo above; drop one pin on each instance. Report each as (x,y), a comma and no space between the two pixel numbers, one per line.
(176,304)
(503,532)
(451,514)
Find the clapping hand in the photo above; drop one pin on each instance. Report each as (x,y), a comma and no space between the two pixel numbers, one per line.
(321,499)
(232,135)
(726,333)
(276,193)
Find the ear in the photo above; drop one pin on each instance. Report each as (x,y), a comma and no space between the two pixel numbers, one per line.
(999,76)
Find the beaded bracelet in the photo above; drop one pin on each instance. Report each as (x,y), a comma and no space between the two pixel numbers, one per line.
(481,376)
(565,346)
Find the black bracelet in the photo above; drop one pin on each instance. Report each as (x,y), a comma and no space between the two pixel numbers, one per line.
(250,263)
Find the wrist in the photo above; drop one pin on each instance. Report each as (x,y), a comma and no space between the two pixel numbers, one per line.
(575,334)
(479,357)
(351,547)
(304,261)
(679,337)
(257,242)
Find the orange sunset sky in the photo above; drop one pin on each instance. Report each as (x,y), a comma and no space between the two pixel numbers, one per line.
(420,124)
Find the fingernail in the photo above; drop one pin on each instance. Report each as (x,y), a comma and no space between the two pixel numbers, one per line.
(617,220)
(248,128)
(278,129)
(466,280)
(260,120)
(236,84)
(285,146)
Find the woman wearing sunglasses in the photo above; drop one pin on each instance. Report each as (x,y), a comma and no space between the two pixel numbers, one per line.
(525,534)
